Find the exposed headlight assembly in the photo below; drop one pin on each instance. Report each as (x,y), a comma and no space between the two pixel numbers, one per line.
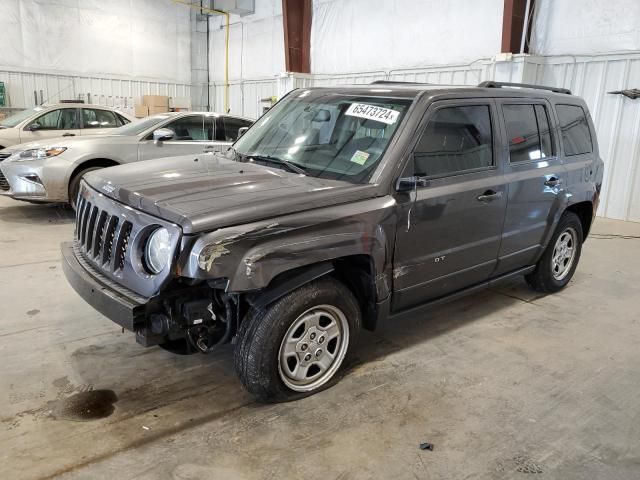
(157,251)
(37,154)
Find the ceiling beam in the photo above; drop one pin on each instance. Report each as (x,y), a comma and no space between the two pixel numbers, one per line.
(297,35)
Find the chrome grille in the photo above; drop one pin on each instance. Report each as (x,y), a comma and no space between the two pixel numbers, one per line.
(4,184)
(108,235)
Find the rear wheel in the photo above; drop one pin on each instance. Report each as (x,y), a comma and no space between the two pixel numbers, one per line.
(560,259)
(74,185)
(295,346)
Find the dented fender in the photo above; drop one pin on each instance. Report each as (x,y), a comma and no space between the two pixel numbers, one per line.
(250,256)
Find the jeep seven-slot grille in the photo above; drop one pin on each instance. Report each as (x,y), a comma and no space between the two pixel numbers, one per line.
(110,236)
(4,184)
(102,237)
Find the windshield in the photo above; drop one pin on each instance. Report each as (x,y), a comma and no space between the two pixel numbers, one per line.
(138,126)
(326,135)
(16,118)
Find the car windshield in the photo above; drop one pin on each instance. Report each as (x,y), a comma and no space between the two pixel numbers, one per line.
(138,126)
(324,135)
(16,118)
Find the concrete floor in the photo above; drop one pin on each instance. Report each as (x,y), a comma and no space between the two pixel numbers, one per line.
(503,383)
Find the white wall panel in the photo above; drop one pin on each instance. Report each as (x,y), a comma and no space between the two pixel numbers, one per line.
(361,35)
(464,74)
(141,38)
(616,117)
(256,43)
(245,97)
(119,92)
(585,27)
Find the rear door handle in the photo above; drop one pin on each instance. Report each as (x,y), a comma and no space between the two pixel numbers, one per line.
(68,134)
(489,196)
(553,181)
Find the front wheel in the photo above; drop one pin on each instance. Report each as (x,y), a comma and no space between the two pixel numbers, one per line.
(560,259)
(74,185)
(295,346)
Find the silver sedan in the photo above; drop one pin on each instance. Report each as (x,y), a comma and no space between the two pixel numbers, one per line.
(50,170)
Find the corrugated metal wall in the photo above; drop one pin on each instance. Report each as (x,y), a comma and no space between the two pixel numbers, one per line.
(617,118)
(122,93)
(246,98)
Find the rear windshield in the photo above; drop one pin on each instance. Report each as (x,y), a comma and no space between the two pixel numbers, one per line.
(327,135)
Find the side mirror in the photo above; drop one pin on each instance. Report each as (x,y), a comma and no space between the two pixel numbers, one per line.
(406,184)
(242,131)
(34,126)
(162,134)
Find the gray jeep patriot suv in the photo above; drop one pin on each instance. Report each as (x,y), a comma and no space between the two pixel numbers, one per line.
(338,209)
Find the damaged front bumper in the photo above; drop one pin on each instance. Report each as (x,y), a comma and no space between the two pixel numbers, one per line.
(123,307)
(155,320)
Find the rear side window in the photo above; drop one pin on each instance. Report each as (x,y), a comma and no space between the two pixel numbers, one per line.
(96,118)
(122,120)
(528,132)
(456,140)
(576,136)
(231,127)
(191,128)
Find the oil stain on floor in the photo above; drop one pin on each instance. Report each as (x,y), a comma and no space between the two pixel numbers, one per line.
(84,406)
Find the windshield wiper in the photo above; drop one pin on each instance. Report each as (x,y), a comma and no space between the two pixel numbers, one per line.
(269,159)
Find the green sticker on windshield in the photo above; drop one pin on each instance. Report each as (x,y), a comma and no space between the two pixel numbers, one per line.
(359,157)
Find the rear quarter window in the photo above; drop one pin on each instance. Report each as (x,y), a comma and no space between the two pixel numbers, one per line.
(576,136)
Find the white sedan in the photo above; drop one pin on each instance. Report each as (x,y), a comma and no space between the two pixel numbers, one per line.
(61,120)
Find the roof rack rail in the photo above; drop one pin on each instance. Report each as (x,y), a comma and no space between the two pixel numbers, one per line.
(392,82)
(492,84)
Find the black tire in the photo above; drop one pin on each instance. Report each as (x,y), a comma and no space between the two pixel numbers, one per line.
(257,353)
(542,278)
(74,185)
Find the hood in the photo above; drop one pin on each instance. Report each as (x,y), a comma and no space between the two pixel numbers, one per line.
(205,192)
(65,142)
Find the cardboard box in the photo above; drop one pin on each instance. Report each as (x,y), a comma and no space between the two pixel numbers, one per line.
(155,101)
(156,109)
(141,111)
(182,103)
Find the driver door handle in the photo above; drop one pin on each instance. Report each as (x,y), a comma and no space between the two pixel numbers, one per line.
(489,196)
(68,134)
(209,148)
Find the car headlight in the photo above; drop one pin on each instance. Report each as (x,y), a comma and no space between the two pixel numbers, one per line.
(157,250)
(37,154)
